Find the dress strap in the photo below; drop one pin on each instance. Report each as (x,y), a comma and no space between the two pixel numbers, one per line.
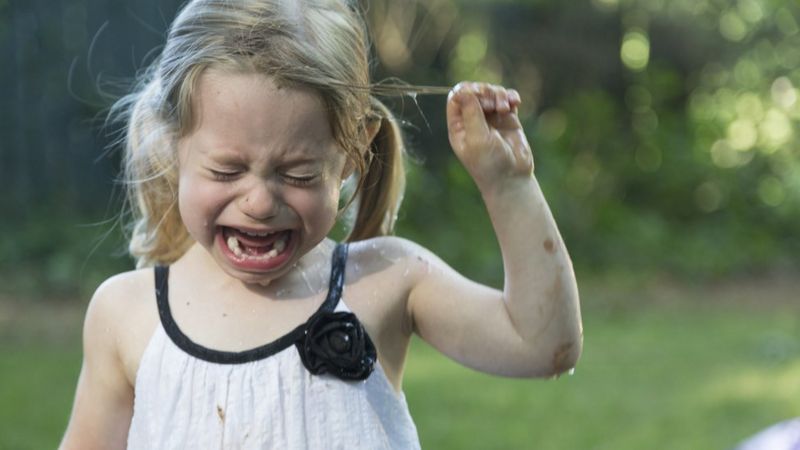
(338,266)
(336,284)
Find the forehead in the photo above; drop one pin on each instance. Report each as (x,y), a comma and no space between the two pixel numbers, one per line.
(247,110)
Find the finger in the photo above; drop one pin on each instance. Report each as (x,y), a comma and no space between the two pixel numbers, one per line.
(505,121)
(455,118)
(501,99)
(465,112)
(514,98)
(486,96)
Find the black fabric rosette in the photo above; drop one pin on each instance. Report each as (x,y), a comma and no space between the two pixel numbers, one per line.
(337,343)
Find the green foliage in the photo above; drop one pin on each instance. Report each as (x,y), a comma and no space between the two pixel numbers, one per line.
(665,132)
(58,255)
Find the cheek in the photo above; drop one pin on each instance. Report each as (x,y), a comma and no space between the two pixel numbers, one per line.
(198,202)
(320,208)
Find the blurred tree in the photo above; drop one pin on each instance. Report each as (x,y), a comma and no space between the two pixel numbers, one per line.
(665,132)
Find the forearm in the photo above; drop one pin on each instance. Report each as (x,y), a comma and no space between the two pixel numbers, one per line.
(540,290)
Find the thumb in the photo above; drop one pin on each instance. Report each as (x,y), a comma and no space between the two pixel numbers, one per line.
(465,114)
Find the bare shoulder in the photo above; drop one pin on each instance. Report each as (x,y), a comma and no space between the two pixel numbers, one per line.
(392,253)
(103,406)
(123,311)
(115,297)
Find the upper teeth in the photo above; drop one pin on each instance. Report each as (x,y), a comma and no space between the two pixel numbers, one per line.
(261,234)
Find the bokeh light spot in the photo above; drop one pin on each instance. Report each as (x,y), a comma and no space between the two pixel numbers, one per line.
(708,196)
(645,122)
(742,134)
(635,50)
(771,191)
(726,157)
(747,73)
(552,124)
(786,22)
(775,130)
(472,47)
(783,93)
(749,106)
(732,27)
(750,10)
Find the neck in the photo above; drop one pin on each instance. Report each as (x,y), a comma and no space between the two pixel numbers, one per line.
(307,277)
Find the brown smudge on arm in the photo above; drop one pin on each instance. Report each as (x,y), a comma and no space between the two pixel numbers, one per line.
(221,413)
(561,358)
(549,246)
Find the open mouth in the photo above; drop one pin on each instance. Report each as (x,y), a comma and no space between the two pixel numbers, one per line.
(256,246)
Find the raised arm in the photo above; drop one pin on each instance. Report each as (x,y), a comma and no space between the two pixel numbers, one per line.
(532,327)
(103,404)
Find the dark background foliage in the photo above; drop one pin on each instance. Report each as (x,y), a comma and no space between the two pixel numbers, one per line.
(665,133)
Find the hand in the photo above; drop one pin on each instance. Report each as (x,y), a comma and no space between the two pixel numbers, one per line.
(486,134)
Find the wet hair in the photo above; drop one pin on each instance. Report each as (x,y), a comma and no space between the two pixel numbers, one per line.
(316,44)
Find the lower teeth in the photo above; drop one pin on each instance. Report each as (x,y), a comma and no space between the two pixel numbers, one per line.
(233,245)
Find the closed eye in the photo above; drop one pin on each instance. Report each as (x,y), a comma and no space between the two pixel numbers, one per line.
(223,176)
(300,180)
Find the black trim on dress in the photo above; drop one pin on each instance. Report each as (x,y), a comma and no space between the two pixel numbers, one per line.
(335,286)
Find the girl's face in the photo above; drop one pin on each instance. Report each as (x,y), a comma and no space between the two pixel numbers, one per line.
(260,174)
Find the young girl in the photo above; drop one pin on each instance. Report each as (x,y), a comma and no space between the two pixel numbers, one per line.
(245,326)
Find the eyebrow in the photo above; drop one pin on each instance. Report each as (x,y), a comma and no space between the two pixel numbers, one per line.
(291,157)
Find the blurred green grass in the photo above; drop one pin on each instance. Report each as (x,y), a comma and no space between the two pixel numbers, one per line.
(661,369)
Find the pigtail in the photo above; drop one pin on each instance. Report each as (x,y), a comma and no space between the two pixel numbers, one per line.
(383,181)
(150,173)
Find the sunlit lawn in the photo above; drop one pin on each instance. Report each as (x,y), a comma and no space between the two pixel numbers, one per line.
(681,369)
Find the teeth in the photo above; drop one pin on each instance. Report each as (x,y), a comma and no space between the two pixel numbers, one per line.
(279,245)
(262,234)
(233,244)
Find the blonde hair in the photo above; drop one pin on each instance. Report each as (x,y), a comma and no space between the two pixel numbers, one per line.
(317,44)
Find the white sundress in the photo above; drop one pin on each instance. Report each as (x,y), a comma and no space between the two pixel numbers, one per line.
(191,397)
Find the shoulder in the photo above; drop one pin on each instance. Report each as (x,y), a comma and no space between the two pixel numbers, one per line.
(116,294)
(390,249)
(119,318)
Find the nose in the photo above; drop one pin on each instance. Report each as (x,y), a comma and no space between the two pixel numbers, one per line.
(260,201)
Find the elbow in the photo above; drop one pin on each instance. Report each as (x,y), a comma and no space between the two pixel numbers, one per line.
(550,362)
(565,357)
(556,360)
